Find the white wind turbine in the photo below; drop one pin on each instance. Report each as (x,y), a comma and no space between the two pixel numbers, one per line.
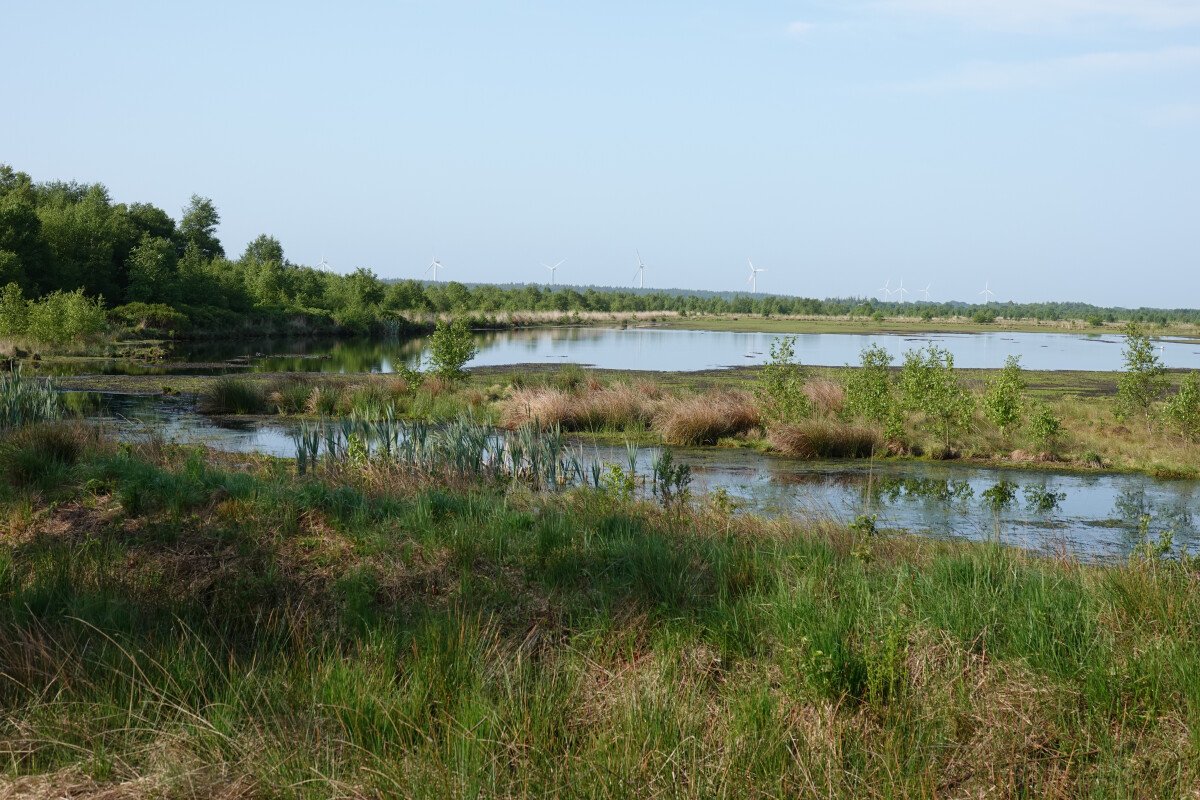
(553,269)
(987,292)
(323,264)
(901,290)
(641,270)
(433,267)
(925,291)
(753,276)
(887,289)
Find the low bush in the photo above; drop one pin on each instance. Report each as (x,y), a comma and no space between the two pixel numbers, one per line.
(150,316)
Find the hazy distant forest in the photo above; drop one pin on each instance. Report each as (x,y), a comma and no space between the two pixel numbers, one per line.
(73,261)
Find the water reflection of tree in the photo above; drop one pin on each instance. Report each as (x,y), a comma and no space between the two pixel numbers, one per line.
(937,490)
(1170,513)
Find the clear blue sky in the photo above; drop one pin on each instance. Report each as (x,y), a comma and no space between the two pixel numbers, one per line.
(1049,146)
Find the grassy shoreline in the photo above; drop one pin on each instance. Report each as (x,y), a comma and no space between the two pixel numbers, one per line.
(180,623)
(1097,443)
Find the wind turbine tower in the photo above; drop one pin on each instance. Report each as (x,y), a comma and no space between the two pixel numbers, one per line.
(887,289)
(434,267)
(925,292)
(553,269)
(641,270)
(753,276)
(987,292)
(901,290)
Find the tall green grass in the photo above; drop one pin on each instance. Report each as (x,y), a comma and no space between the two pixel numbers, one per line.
(172,627)
(25,402)
(464,447)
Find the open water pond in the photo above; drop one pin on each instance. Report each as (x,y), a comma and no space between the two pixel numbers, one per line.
(1093,516)
(650,349)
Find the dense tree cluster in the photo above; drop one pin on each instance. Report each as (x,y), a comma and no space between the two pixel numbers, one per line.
(72,238)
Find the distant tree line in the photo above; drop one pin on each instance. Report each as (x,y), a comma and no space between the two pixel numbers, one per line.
(146,267)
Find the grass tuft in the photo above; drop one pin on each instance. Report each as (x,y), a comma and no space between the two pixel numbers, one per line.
(823,438)
(229,395)
(703,419)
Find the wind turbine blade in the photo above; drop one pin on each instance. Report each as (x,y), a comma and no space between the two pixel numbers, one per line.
(560,263)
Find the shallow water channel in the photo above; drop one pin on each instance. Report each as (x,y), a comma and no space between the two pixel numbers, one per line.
(1091,515)
(647,349)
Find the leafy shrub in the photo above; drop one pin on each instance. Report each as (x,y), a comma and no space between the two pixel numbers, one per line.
(451,347)
(63,317)
(1044,427)
(781,383)
(1004,398)
(1182,412)
(928,385)
(870,394)
(57,318)
(983,317)
(14,311)
(1144,379)
(152,316)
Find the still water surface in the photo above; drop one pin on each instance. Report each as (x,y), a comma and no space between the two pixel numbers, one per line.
(1089,515)
(657,349)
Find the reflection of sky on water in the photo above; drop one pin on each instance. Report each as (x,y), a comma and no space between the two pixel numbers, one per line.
(674,350)
(1093,515)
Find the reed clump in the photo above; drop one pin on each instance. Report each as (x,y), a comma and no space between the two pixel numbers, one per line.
(24,401)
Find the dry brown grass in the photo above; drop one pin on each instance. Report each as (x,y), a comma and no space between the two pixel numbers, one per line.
(828,397)
(821,438)
(706,418)
(619,406)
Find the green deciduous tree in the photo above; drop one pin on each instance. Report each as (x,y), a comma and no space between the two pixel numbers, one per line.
(780,387)
(1004,398)
(450,348)
(870,394)
(152,272)
(929,385)
(1144,380)
(198,227)
(14,311)
(1045,428)
(1182,412)
(21,236)
(62,317)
